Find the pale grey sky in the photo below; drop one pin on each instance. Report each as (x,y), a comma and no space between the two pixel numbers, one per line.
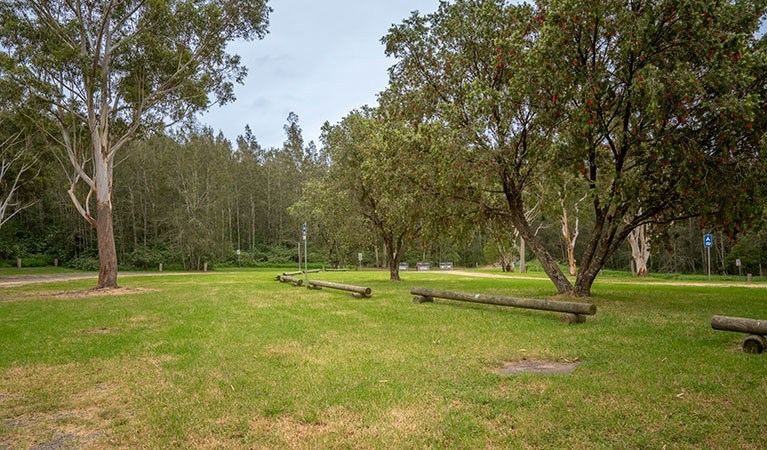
(321,59)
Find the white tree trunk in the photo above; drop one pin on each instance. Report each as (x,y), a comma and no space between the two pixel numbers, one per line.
(640,249)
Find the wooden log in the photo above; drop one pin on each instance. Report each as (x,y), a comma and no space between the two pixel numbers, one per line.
(289,279)
(570,319)
(751,326)
(292,273)
(366,291)
(420,299)
(754,344)
(546,305)
(313,271)
(336,270)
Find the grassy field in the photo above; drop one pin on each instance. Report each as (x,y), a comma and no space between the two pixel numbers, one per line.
(235,360)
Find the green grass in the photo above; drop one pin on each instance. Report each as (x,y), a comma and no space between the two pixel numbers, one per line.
(237,360)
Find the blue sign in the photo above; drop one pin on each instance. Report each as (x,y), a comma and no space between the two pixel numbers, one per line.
(707,240)
(304,231)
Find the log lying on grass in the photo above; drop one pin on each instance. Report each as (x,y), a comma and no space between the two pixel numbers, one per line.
(290,274)
(756,343)
(360,291)
(575,312)
(739,324)
(289,279)
(336,270)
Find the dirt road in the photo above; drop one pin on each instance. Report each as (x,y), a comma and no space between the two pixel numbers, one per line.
(22,280)
(659,282)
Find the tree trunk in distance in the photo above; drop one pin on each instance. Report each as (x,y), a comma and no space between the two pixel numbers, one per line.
(522,268)
(394,258)
(640,249)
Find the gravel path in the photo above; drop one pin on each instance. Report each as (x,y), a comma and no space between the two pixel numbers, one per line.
(660,282)
(22,280)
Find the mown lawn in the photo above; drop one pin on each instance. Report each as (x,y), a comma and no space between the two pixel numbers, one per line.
(239,361)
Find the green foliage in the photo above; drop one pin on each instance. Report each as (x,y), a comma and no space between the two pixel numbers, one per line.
(84,262)
(150,257)
(655,110)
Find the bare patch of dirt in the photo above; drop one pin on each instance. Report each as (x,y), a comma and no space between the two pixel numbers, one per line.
(68,295)
(98,331)
(537,367)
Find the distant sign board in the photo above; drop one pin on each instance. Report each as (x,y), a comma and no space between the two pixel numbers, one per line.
(737,262)
(423,266)
(445,266)
(304,231)
(403,266)
(359,256)
(708,240)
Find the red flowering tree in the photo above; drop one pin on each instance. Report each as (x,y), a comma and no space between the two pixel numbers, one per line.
(657,108)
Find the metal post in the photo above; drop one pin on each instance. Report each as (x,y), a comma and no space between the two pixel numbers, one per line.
(708,251)
(306,264)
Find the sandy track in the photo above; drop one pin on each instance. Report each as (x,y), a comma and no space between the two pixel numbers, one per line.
(22,280)
(664,283)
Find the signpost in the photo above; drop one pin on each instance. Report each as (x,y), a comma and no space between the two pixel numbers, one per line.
(306,259)
(737,263)
(708,241)
(359,256)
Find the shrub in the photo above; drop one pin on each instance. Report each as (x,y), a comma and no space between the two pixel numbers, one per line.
(84,262)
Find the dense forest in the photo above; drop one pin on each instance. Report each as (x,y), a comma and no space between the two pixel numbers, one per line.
(562,137)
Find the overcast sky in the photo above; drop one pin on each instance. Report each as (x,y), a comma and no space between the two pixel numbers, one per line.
(321,59)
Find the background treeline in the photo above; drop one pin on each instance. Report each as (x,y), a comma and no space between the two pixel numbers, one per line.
(190,197)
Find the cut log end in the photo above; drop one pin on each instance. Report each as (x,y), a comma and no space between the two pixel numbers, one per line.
(754,344)
(423,300)
(314,288)
(572,318)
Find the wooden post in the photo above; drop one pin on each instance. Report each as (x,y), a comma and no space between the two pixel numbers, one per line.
(56,262)
(205,267)
(18,263)
(160,267)
(522,265)
(748,277)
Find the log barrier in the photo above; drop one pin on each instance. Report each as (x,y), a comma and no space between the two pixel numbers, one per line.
(574,312)
(756,342)
(336,270)
(358,291)
(289,279)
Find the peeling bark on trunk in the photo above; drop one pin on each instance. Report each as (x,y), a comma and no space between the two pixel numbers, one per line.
(106,244)
(640,249)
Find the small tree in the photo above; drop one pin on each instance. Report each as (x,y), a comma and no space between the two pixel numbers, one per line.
(375,157)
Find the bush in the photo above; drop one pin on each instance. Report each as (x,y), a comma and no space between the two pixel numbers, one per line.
(84,262)
(149,257)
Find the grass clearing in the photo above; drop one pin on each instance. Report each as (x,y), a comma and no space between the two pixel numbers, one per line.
(237,360)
